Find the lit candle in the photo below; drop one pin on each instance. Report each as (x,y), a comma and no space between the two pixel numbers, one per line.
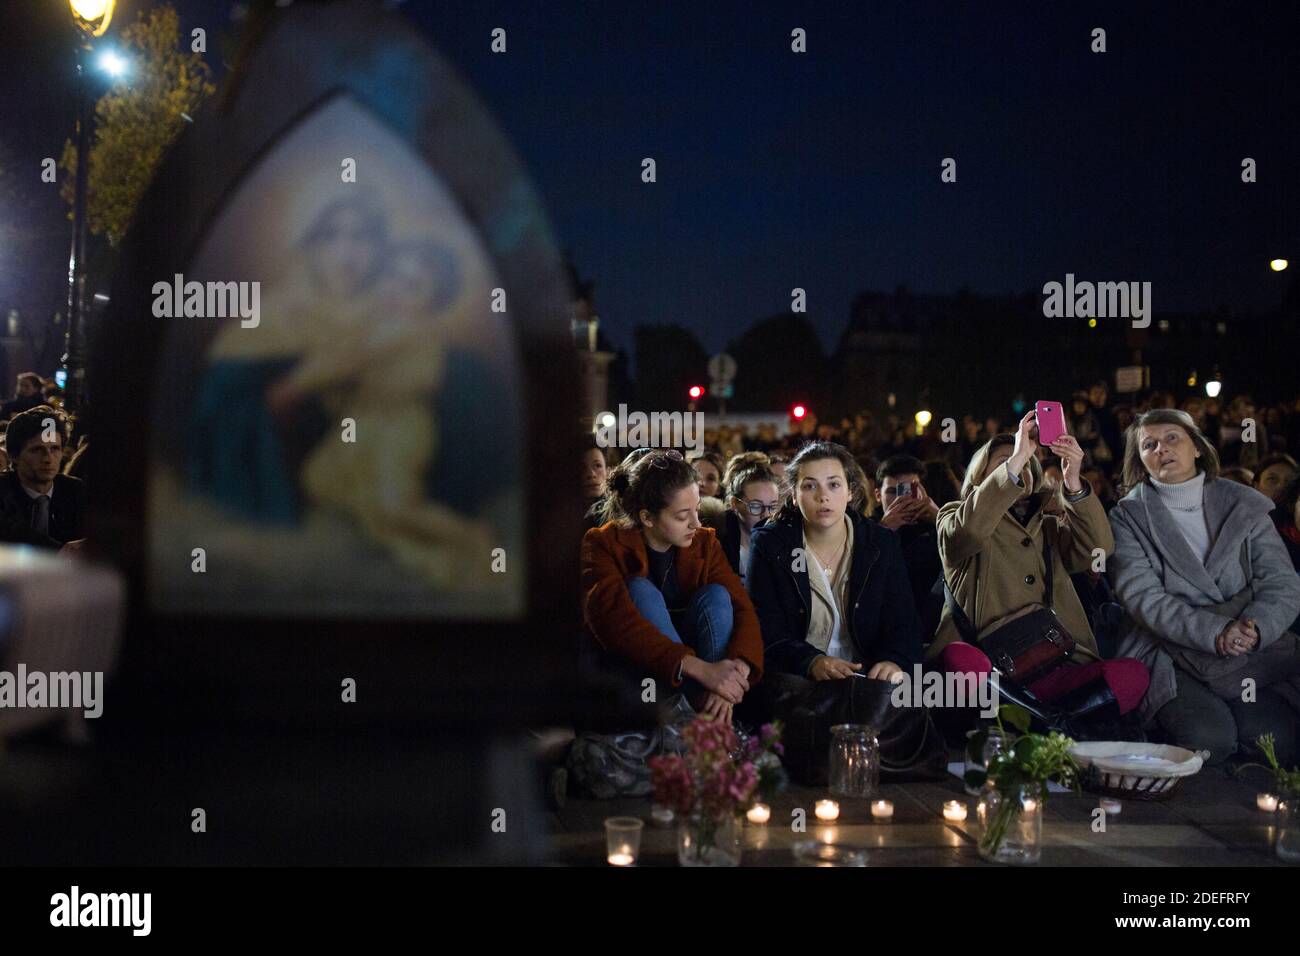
(955,811)
(827,810)
(1111,805)
(1030,805)
(882,809)
(622,840)
(1267,802)
(760,813)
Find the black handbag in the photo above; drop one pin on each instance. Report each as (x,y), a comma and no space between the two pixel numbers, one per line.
(911,746)
(1024,646)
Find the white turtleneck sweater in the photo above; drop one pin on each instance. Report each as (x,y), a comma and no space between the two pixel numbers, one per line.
(1186,502)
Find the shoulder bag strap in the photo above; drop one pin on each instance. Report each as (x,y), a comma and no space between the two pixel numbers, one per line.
(964,627)
(1047,568)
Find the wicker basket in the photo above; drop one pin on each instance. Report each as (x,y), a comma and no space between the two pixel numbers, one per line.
(1134,771)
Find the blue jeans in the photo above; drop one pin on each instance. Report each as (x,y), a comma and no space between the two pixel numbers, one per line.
(706,622)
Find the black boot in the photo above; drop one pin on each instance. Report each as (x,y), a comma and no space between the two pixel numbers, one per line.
(1093,700)
(1046,717)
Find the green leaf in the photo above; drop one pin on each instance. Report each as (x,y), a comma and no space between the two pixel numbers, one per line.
(1016,716)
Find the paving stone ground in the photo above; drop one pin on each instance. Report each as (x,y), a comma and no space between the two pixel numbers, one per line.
(1211,820)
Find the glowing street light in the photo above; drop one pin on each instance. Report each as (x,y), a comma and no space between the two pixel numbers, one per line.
(93,16)
(1278,265)
(923,418)
(114,64)
(1213,387)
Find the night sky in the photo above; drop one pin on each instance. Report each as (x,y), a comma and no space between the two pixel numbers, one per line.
(822,170)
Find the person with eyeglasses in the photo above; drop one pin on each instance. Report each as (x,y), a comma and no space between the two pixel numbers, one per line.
(659,595)
(752,498)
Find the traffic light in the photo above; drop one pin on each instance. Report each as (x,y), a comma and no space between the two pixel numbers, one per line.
(798,413)
(696,392)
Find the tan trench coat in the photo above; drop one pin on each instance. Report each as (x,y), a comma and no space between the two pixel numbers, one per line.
(978,530)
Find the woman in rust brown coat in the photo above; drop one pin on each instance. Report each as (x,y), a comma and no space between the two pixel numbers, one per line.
(659,593)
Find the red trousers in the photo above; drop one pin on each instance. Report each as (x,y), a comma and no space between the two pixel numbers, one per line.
(1127,677)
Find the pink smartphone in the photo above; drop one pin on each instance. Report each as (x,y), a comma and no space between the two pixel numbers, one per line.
(1051,421)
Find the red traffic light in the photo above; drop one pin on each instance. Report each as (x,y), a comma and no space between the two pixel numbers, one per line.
(696,391)
(798,412)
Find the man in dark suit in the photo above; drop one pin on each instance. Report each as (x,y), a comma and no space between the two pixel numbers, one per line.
(38,505)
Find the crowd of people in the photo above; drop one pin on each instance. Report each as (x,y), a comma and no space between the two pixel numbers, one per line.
(42,502)
(1163,539)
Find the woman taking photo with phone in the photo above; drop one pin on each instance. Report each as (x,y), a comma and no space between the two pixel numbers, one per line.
(1002,555)
(659,595)
(830,587)
(1205,578)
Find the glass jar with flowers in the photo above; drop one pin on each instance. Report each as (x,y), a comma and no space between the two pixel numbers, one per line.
(1011,806)
(718,777)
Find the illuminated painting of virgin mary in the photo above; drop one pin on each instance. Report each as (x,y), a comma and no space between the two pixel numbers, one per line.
(356,451)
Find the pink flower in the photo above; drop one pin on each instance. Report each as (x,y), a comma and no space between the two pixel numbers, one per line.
(708,778)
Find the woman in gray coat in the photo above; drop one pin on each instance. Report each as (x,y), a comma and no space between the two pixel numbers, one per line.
(1209,591)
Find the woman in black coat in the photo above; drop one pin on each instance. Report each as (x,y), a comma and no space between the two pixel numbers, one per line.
(831,588)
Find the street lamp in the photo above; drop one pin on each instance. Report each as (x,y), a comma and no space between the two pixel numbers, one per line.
(92,18)
(1278,265)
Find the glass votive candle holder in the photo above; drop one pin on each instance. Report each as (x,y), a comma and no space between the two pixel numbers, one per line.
(759,814)
(882,810)
(854,762)
(982,745)
(954,811)
(816,853)
(827,810)
(623,840)
(1267,802)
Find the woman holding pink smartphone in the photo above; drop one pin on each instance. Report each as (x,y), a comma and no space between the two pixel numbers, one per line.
(1003,556)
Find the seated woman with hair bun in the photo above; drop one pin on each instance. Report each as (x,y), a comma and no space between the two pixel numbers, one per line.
(659,594)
